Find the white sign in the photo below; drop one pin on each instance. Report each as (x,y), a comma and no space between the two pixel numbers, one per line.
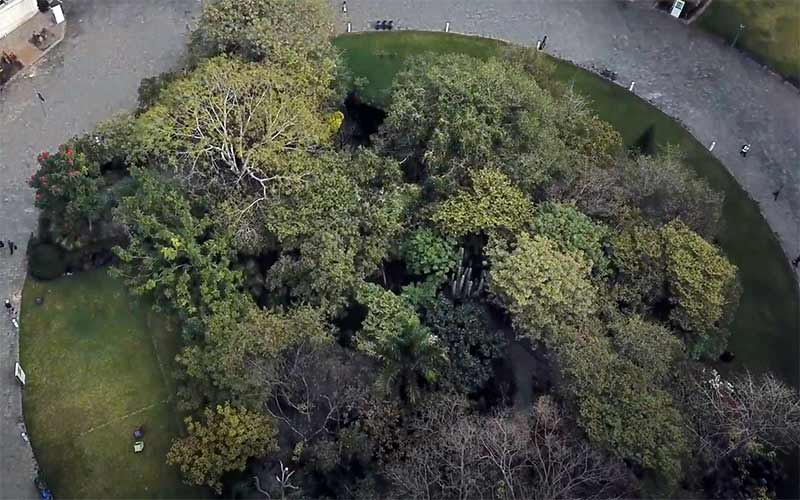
(19,374)
(677,8)
(58,14)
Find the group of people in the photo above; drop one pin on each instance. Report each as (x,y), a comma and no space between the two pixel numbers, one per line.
(10,244)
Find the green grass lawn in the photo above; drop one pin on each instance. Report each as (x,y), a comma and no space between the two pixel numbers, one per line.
(98,365)
(765,329)
(771,33)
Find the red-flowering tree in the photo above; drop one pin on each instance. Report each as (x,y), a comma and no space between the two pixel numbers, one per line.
(66,187)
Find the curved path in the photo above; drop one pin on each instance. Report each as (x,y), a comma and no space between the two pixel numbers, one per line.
(716,92)
(109,47)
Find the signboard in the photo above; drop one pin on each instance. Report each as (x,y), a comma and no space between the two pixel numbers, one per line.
(677,8)
(19,374)
(58,14)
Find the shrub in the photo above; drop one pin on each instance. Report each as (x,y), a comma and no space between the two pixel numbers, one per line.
(425,252)
(47,262)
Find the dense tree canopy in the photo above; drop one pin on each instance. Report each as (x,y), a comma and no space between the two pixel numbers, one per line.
(365,301)
(452,115)
(283,32)
(180,257)
(620,410)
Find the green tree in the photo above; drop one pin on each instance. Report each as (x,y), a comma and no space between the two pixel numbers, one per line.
(411,359)
(393,333)
(492,204)
(337,229)
(236,128)
(650,346)
(619,409)
(387,315)
(425,252)
(282,32)
(173,253)
(454,113)
(472,345)
(544,289)
(223,443)
(573,232)
(703,288)
(235,340)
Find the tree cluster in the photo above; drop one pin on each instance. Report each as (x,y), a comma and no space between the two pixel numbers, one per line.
(349,312)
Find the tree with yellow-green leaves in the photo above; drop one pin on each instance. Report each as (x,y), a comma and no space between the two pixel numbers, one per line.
(224,442)
(619,408)
(492,204)
(545,290)
(702,284)
(282,32)
(673,264)
(233,127)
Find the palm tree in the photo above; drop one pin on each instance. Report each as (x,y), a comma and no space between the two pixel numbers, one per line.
(411,359)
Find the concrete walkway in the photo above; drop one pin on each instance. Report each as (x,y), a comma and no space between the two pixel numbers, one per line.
(716,92)
(109,47)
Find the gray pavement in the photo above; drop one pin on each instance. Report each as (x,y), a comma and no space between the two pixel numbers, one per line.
(716,92)
(109,47)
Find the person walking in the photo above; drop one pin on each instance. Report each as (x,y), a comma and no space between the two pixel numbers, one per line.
(344,7)
(796,261)
(11,246)
(745,149)
(777,192)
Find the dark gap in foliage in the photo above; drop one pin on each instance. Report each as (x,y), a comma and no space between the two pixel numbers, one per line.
(350,322)
(395,275)
(361,119)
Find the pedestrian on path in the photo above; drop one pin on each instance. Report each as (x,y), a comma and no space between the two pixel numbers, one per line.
(11,246)
(745,149)
(344,7)
(2,244)
(796,262)
(777,192)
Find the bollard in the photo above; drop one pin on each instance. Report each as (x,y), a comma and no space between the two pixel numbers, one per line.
(631,87)
(713,143)
(447,27)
